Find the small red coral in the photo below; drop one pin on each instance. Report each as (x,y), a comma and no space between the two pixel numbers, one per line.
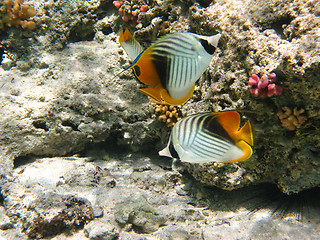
(144,8)
(117,4)
(264,86)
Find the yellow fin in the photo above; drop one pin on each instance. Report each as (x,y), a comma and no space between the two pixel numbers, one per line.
(246,133)
(125,35)
(229,120)
(153,92)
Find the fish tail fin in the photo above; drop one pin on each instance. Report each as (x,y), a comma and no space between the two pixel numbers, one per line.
(246,133)
(213,40)
(130,44)
(165,152)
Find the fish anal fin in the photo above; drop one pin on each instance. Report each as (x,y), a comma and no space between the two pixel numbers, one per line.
(246,148)
(246,133)
(153,92)
(169,100)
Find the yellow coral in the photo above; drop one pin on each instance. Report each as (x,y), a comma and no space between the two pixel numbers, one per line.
(167,114)
(291,119)
(16,13)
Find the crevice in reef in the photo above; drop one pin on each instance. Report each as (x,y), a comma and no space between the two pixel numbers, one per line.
(263,196)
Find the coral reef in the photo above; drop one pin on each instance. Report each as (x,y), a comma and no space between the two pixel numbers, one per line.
(15,14)
(168,114)
(264,86)
(291,119)
(58,98)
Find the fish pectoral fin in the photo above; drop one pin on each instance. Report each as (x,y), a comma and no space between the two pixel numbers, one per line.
(246,133)
(169,100)
(153,92)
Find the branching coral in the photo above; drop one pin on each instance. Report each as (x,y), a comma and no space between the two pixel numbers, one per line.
(130,13)
(291,119)
(15,14)
(264,86)
(167,114)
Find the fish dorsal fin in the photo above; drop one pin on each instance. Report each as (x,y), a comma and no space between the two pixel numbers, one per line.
(229,120)
(246,133)
(130,44)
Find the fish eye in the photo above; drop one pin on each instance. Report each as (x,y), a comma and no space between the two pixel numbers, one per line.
(136,70)
(207,46)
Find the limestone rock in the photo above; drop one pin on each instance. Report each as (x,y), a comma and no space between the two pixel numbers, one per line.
(137,211)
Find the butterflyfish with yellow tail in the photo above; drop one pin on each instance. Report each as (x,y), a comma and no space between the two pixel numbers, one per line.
(210,137)
(171,65)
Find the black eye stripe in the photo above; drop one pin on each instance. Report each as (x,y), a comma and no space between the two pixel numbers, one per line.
(172,151)
(136,70)
(208,47)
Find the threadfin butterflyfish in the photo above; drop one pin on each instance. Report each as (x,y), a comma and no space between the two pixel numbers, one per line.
(210,137)
(171,65)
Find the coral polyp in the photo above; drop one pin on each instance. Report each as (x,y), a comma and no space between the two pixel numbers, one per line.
(168,114)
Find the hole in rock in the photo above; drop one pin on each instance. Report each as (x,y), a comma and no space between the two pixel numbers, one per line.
(68,123)
(40,124)
(81,33)
(22,160)
(280,24)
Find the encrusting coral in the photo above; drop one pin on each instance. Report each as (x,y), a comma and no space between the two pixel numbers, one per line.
(168,114)
(291,119)
(15,14)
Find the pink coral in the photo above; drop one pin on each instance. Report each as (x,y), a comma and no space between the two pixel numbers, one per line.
(264,86)
(130,14)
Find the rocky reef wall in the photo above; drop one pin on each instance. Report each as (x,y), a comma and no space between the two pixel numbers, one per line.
(59,93)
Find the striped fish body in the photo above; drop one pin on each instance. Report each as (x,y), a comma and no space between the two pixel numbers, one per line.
(179,59)
(173,64)
(210,137)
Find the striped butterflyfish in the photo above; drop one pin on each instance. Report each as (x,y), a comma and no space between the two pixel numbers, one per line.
(171,65)
(210,137)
